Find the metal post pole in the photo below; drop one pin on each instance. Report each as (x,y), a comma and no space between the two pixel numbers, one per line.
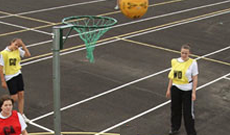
(57,41)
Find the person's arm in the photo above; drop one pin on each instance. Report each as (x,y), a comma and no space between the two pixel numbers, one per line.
(23,124)
(24,132)
(27,52)
(168,93)
(195,81)
(4,85)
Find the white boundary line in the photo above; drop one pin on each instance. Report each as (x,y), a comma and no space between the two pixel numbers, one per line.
(150,18)
(26,28)
(184,22)
(119,87)
(53,8)
(42,10)
(157,107)
(102,94)
(42,127)
(141,20)
(112,90)
(227,78)
(124,24)
(134,35)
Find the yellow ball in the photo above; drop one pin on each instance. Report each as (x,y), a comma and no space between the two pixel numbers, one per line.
(133,8)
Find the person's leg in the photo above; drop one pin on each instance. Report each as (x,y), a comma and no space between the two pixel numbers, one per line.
(176,108)
(188,112)
(21,97)
(20,93)
(117,6)
(14,97)
(12,87)
(21,102)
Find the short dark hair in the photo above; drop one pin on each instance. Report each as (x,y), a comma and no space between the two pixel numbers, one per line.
(186,46)
(3,99)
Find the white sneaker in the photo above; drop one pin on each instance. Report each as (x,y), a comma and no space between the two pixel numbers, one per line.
(25,118)
(117,7)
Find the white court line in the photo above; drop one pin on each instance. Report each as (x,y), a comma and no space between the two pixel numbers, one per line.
(150,18)
(142,20)
(184,22)
(26,28)
(157,107)
(134,35)
(102,94)
(53,8)
(42,127)
(119,87)
(42,10)
(145,33)
(227,78)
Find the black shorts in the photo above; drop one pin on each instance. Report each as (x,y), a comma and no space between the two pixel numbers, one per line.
(15,84)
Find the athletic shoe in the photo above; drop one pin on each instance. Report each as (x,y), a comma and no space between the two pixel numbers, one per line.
(25,118)
(173,132)
(117,7)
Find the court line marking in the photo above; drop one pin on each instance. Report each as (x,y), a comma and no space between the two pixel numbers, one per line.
(150,18)
(227,78)
(158,106)
(170,50)
(73,133)
(35,28)
(141,20)
(42,127)
(53,8)
(138,33)
(125,85)
(180,22)
(152,5)
(173,13)
(19,15)
(59,23)
(25,28)
(51,33)
(114,89)
(44,26)
(27,18)
(40,117)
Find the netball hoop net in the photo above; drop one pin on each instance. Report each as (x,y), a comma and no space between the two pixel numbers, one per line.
(90,29)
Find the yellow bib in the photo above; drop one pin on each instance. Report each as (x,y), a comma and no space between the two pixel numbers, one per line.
(11,61)
(178,71)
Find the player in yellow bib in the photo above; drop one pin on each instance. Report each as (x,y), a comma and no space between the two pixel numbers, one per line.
(10,71)
(181,89)
(179,69)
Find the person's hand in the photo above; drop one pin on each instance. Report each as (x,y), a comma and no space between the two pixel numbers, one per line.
(4,85)
(193,96)
(168,94)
